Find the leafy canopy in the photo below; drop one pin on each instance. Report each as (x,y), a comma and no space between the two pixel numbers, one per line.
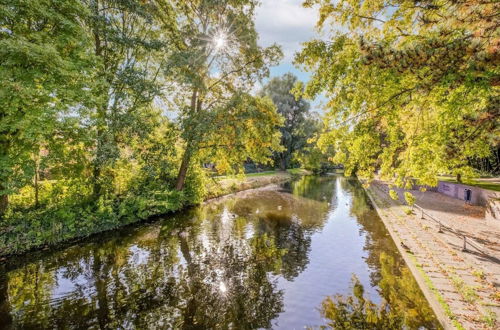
(296,129)
(413,87)
(213,66)
(43,69)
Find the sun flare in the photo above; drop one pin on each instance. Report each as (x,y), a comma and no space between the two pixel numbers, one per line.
(220,41)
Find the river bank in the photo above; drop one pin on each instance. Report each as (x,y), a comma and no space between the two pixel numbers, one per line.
(262,258)
(18,241)
(222,186)
(459,285)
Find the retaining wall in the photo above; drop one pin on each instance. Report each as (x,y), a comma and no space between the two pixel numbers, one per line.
(488,198)
(456,190)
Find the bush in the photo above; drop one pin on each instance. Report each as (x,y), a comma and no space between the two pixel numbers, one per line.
(195,189)
(71,213)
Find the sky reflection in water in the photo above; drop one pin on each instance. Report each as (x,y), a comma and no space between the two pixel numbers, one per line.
(259,259)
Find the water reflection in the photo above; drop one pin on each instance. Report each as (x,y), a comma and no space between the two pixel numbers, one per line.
(402,306)
(232,263)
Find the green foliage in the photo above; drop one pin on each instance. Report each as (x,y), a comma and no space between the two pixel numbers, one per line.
(409,198)
(43,66)
(69,211)
(260,173)
(130,50)
(479,274)
(195,188)
(393,194)
(299,124)
(214,66)
(413,90)
(311,156)
(242,129)
(85,145)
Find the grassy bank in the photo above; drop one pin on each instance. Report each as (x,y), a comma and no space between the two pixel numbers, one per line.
(76,217)
(228,185)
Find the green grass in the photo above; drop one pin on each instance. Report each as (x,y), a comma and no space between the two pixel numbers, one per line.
(439,297)
(260,173)
(467,291)
(247,175)
(297,171)
(473,182)
(292,171)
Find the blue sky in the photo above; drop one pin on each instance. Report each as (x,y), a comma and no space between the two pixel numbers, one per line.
(288,24)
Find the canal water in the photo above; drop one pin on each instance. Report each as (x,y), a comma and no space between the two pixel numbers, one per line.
(279,257)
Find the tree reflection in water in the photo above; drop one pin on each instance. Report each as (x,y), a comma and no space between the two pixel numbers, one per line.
(174,280)
(403,305)
(214,266)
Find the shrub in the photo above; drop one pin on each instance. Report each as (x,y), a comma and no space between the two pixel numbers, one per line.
(194,189)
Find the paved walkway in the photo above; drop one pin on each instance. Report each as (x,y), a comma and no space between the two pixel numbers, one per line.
(463,287)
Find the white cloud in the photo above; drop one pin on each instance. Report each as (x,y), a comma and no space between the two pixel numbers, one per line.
(286,23)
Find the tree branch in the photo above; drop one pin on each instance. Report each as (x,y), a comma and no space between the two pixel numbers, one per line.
(395,96)
(233,71)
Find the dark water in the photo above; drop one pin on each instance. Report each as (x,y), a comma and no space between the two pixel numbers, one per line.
(258,259)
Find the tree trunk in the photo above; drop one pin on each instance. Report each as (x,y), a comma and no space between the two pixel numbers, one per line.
(36,189)
(283,162)
(181,177)
(459,178)
(96,187)
(4,153)
(100,155)
(101,110)
(4,202)
(36,180)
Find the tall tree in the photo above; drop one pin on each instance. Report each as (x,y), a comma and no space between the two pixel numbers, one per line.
(215,62)
(130,48)
(413,86)
(310,156)
(295,132)
(43,69)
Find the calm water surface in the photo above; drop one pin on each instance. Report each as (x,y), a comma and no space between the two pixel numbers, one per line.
(259,259)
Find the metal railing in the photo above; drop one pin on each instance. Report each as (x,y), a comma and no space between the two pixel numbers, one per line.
(467,241)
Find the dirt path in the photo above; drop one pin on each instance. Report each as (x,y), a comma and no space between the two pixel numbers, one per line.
(462,287)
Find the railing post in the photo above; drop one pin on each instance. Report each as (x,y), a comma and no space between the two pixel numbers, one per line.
(440,228)
(465,244)
(422,216)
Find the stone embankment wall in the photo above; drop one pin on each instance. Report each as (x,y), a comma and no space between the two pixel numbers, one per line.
(488,198)
(456,190)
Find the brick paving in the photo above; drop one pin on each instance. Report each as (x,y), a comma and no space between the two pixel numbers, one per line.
(468,281)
